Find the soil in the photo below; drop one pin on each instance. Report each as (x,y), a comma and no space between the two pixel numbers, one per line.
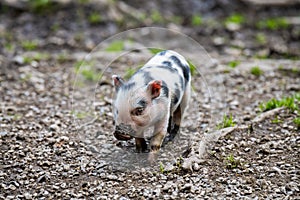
(56,128)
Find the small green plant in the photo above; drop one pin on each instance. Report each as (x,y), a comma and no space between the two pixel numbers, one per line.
(192,68)
(115,46)
(14,116)
(177,19)
(62,57)
(89,75)
(295,70)
(155,50)
(262,57)
(272,23)
(231,162)
(95,18)
(233,63)
(276,120)
(297,122)
(288,102)
(8,36)
(86,69)
(9,47)
(28,60)
(256,71)
(83,64)
(41,6)
(29,45)
(297,96)
(37,57)
(161,168)
(235,19)
(129,72)
(17,116)
(156,17)
(261,38)
(80,114)
(269,105)
(78,83)
(78,64)
(84,1)
(78,37)
(289,71)
(55,27)
(41,56)
(226,71)
(280,67)
(227,122)
(142,16)
(196,20)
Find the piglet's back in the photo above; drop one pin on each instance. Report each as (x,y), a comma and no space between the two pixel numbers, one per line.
(168,66)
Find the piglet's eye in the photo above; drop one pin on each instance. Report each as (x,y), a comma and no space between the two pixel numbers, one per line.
(138,111)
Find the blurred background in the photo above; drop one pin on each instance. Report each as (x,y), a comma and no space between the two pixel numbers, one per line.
(51,75)
(251,28)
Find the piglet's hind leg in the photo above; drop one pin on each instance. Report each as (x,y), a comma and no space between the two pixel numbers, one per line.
(174,124)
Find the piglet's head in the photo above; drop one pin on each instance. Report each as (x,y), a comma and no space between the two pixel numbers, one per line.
(134,108)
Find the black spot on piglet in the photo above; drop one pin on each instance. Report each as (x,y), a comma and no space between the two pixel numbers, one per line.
(128,86)
(185,68)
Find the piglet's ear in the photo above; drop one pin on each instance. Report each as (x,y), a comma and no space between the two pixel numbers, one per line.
(154,88)
(117,81)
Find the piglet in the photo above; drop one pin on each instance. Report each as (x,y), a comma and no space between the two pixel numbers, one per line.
(155,96)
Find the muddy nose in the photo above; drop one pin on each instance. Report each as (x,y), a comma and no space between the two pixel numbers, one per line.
(123,132)
(121,136)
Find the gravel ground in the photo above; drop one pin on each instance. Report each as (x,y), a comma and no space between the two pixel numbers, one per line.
(44,155)
(56,126)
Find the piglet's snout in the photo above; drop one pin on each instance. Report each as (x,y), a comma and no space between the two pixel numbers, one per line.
(123,132)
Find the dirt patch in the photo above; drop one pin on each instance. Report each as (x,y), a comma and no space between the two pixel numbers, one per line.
(56,136)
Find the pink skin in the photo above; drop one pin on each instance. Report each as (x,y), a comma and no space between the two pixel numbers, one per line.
(156,114)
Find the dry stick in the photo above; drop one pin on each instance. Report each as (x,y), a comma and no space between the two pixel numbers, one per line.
(88,123)
(214,136)
(267,114)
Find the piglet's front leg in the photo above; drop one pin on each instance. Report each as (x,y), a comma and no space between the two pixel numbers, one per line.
(155,145)
(160,131)
(157,140)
